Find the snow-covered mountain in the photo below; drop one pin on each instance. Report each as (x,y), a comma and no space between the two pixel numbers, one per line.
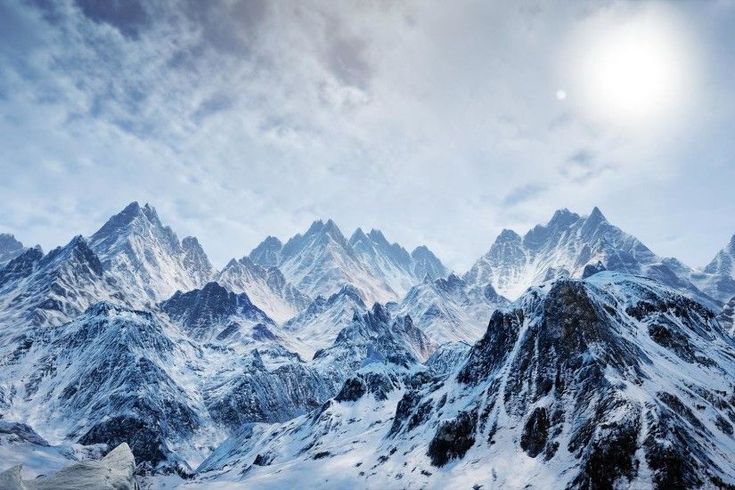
(717,278)
(564,247)
(327,362)
(322,261)
(317,326)
(265,286)
(375,337)
(611,382)
(426,264)
(214,314)
(38,289)
(147,258)
(10,248)
(449,310)
(393,263)
(112,375)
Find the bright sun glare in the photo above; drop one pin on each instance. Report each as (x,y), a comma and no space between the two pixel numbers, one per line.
(633,71)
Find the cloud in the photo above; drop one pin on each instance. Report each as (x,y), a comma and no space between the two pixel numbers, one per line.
(128,16)
(583,166)
(523,194)
(435,122)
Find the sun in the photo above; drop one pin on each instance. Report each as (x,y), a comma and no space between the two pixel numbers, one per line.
(632,70)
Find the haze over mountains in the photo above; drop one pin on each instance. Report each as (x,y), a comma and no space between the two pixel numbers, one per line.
(333,361)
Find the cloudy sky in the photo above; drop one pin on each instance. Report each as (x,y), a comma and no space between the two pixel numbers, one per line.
(437,122)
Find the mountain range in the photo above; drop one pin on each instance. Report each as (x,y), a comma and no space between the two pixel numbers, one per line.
(572,356)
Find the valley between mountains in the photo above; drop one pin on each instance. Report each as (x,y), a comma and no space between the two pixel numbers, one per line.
(571,356)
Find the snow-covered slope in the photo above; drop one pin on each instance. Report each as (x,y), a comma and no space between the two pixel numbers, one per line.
(717,279)
(375,337)
(21,445)
(611,382)
(112,375)
(267,386)
(265,286)
(327,448)
(10,248)
(563,247)
(317,326)
(51,289)
(116,471)
(322,261)
(393,263)
(448,310)
(147,258)
(426,264)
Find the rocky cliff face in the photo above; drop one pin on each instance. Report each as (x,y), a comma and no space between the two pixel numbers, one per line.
(610,382)
(10,248)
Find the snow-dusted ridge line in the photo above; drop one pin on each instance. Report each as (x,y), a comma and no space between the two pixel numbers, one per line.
(132,336)
(614,381)
(570,242)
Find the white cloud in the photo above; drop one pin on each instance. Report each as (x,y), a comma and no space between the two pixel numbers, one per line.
(436,122)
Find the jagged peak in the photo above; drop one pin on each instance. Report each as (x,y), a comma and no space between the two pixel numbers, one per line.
(213,291)
(77,241)
(77,247)
(150,212)
(379,313)
(247,262)
(105,308)
(329,228)
(422,251)
(596,215)
(270,239)
(192,243)
(563,217)
(452,282)
(378,237)
(359,236)
(593,221)
(132,213)
(315,227)
(9,242)
(731,245)
(267,252)
(233,263)
(132,208)
(270,242)
(507,235)
(348,291)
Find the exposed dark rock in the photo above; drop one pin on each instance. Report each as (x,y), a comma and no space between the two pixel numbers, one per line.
(535,432)
(453,439)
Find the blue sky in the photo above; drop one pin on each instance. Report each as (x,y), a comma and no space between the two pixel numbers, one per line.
(437,122)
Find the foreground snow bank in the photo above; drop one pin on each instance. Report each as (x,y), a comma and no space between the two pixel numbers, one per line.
(114,471)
